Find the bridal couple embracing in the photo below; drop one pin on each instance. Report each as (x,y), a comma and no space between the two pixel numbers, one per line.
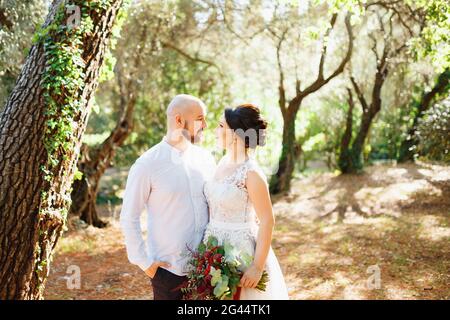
(187,198)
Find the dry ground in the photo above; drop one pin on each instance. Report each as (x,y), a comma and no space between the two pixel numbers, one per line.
(333,234)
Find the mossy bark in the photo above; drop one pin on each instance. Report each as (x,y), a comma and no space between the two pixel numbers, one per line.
(31,223)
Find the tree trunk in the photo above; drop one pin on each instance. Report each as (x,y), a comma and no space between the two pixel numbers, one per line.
(281,181)
(356,161)
(407,152)
(84,193)
(345,159)
(93,165)
(35,180)
(291,150)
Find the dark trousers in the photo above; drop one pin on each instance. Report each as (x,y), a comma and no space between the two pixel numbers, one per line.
(165,285)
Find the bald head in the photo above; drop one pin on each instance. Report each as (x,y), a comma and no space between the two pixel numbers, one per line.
(184,104)
(186,112)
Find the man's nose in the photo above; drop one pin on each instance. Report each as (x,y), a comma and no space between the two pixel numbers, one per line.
(205,125)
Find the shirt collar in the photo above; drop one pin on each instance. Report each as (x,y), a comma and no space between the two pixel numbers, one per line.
(176,150)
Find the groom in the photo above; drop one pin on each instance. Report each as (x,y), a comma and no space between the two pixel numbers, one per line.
(167,180)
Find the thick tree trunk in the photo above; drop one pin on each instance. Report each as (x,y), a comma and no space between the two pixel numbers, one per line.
(407,152)
(32,206)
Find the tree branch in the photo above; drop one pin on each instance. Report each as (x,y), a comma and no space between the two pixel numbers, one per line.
(281,89)
(359,94)
(320,81)
(188,56)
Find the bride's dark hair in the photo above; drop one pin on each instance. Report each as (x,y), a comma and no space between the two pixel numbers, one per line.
(247,117)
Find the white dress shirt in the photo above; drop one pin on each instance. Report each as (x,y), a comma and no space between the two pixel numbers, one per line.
(168,183)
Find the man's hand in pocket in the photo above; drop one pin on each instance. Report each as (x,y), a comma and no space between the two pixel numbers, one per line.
(151,271)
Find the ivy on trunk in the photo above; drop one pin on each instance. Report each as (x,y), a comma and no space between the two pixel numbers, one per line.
(40,135)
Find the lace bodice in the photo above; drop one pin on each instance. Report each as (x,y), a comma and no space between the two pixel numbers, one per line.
(228,198)
(233,220)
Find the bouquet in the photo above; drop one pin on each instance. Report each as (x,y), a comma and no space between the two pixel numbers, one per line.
(215,272)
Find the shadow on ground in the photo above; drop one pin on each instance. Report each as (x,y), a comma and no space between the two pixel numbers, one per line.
(383,234)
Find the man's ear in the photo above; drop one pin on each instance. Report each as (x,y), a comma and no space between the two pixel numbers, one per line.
(178,120)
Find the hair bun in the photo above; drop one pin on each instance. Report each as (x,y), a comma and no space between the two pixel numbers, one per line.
(245,118)
(262,136)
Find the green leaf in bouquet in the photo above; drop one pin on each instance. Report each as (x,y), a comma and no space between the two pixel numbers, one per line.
(234,281)
(212,242)
(246,259)
(227,247)
(221,287)
(216,276)
(231,254)
(220,250)
(201,248)
(226,269)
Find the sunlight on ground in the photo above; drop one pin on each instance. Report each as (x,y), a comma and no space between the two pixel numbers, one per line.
(432,229)
(335,236)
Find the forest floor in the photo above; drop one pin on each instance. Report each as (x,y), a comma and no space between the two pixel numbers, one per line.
(383,234)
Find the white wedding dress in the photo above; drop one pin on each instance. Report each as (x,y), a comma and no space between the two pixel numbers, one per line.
(233,219)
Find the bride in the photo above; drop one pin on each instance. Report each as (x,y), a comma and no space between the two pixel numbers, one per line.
(239,202)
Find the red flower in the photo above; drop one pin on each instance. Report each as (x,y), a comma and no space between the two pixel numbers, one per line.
(199,284)
(218,258)
(208,269)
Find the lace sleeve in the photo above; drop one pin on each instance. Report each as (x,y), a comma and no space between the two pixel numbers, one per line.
(241,175)
(252,165)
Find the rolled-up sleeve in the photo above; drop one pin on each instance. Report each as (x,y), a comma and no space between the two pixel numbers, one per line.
(137,191)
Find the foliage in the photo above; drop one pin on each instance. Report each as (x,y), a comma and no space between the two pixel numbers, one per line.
(20,21)
(224,53)
(434,41)
(321,130)
(169,69)
(388,133)
(434,132)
